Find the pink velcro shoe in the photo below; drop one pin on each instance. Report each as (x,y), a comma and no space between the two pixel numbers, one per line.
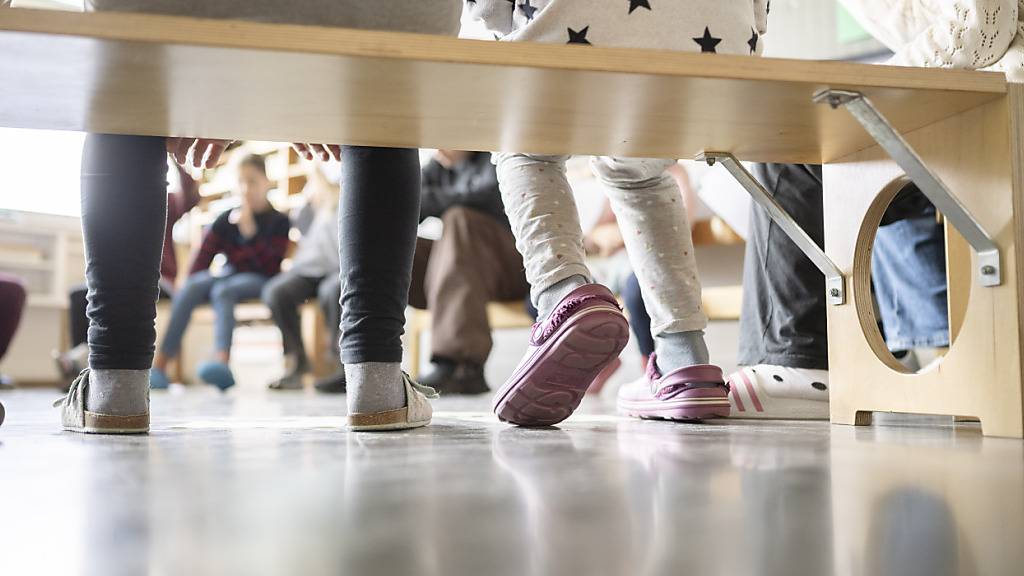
(584,334)
(691,393)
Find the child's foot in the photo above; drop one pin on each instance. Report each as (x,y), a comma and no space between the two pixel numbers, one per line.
(158,379)
(217,374)
(687,394)
(779,393)
(117,404)
(584,334)
(416,411)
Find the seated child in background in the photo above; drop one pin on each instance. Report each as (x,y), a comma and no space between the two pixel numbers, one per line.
(254,239)
(582,329)
(315,273)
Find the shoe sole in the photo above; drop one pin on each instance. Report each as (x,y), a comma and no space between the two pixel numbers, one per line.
(552,388)
(686,410)
(384,421)
(116,425)
(782,409)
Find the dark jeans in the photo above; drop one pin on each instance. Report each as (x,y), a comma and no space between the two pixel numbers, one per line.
(783,316)
(378,216)
(124,211)
(284,294)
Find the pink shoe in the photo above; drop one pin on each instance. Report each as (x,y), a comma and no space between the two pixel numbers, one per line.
(584,334)
(691,393)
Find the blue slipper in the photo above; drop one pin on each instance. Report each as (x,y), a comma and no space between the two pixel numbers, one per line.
(217,374)
(158,379)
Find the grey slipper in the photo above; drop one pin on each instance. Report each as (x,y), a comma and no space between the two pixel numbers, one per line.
(76,418)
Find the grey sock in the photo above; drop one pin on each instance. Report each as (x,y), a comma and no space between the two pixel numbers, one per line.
(118,392)
(374,387)
(680,349)
(548,299)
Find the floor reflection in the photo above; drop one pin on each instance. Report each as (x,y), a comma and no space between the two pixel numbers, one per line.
(271,486)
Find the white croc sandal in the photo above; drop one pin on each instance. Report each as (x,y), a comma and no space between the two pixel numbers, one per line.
(416,413)
(778,393)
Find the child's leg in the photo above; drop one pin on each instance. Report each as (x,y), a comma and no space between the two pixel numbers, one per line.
(652,217)
(124,211)
(194,292)
(224,296)
(581,329)
(378,216)
(542,210)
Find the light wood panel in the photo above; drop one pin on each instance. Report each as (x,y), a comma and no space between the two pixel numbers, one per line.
(161,75)
(981,375)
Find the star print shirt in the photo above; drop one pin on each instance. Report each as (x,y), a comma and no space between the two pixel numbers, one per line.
(715,26)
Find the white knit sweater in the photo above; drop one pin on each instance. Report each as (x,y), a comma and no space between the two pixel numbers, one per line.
(974,34)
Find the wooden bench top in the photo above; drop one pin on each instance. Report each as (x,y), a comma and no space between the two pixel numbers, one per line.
(158,75)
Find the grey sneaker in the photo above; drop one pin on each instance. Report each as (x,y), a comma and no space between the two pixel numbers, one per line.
(75,417)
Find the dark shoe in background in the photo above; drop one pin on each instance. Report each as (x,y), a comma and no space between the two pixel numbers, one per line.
(290,381)
(456,378)
(333,384)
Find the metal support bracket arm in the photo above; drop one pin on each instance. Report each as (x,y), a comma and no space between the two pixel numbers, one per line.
(835,282)
(989,270)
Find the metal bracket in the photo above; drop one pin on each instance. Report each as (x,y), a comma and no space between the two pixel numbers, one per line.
(835,282)
(989,269)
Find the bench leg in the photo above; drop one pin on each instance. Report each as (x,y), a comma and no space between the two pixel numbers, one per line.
(978,154)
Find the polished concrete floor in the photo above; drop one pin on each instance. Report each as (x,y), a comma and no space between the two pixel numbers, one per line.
(251,483)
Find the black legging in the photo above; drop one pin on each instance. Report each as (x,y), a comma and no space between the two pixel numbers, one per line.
(378,215)
(124,211)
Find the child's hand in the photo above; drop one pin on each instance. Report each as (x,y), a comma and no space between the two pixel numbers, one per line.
(323,152)
(197,152)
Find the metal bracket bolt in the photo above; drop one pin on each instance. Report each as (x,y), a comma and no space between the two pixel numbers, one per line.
(835,281)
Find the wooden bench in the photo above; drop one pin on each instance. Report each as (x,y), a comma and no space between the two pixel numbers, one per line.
(123,74)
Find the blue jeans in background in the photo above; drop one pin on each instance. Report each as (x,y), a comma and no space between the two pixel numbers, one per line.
(908,270)
(222,292)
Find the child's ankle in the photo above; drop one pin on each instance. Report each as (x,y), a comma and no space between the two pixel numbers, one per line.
(118,392)
(680,349)
(549,298)
(375,387)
